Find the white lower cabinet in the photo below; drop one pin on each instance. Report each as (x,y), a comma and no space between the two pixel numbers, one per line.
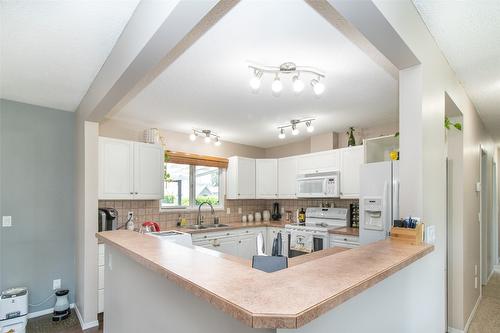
(239,242)
(100,279)
(272,232)
(344,241)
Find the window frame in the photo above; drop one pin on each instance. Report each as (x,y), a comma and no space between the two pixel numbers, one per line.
(192,192)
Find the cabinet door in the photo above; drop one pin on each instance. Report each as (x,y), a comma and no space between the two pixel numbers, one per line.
(148,171)
(287,177)
(228,245)
(351,161)
(241,178)
(247,246)
(116,164)
(319,162)
(266,178)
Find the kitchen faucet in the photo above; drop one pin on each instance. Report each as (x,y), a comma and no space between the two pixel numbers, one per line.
(199,219)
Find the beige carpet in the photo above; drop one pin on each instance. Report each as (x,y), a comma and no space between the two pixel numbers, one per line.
(487,318)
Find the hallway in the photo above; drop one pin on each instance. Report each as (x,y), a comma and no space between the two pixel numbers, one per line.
(487,318)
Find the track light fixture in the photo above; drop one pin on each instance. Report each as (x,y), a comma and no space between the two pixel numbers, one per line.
(284,69)
(208,136)
(294,125)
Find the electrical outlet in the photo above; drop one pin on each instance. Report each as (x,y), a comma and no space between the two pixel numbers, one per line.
(7,221)
(475,270)
(282,210)
(475,282)
(430,234)
(228,210)
(239,210)
(478,187)
(56,284)
(130,215)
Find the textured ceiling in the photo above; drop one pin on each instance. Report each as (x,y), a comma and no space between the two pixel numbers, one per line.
(468,33)
(207,87)
(52,50)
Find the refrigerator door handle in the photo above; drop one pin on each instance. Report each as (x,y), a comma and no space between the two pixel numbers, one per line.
(395,200)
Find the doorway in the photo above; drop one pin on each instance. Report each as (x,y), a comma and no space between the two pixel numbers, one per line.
(483,217)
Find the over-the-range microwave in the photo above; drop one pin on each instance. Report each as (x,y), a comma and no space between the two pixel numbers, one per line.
(318,185)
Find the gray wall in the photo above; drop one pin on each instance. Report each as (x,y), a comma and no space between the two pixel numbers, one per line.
(37,190)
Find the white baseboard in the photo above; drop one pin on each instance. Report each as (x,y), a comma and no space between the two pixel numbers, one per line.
(491,275)
(496,268)
(472,314)
(454,330)
(83,324)
(45,312)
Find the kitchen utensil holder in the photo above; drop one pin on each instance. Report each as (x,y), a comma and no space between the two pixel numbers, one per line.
(412,236)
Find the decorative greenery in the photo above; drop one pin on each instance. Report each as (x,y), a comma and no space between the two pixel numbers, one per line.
(448,124)
(396,134)
(211,199)
(351,140)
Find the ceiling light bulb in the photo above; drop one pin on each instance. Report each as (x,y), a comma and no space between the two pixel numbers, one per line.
(295,130)
(207,139)
(217,142)
(309,127)
(192,137)
(318,87)
(282,134)
(277,86)
(255,80)
(298,84)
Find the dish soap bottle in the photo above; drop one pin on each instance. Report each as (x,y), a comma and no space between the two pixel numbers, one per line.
(302,216)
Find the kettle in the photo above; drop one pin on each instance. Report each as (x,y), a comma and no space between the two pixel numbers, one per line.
(276,215)
(148,227)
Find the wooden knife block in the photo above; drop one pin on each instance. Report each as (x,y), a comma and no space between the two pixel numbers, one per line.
(412,236)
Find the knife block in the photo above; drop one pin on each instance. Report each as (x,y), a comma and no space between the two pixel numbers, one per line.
(412,236)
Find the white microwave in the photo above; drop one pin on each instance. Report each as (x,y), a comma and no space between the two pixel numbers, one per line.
(318,185)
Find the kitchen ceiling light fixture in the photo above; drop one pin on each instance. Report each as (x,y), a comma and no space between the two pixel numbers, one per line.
(208,136)
(284,69)
(294,125)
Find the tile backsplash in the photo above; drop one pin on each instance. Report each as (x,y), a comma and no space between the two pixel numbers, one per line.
(149,210)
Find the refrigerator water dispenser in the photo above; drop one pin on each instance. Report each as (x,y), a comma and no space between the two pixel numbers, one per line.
(373,213)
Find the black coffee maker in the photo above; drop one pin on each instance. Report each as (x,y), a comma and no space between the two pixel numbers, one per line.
(276,215)
(108,219)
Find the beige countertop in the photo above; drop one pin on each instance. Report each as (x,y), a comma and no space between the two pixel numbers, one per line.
(289,298)
(348,231)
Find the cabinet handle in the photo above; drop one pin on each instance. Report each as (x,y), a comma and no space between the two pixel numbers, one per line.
(227,234)
(136,193)
(239,242)
(131,192)
(345,239)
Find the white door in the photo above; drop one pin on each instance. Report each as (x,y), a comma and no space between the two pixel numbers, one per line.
(351,159)
(148,171)
(116,165)
(266,178)
(287,177)
(319,162)
(247,246)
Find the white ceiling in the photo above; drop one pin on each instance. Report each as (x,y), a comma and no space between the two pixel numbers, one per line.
(468,33)
(52,50)
(207,87)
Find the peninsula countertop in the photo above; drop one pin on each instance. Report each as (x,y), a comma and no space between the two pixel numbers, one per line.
(289,298)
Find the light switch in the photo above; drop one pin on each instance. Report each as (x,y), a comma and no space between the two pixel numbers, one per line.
(430,234)
(228,210)
(239,210)
(7,221)
(478,187)
(56,284)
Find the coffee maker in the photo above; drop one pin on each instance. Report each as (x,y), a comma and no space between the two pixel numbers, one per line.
(108,219)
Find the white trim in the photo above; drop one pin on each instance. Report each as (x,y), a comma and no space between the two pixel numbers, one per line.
(472,314)
(491,275)
(496,268)
(45,312)
(84,325)
(454,330)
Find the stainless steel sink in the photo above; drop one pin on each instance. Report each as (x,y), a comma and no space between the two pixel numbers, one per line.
(206,226)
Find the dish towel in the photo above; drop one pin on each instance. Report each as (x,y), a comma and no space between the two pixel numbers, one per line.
(301,241)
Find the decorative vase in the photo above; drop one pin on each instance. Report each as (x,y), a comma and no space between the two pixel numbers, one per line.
(266,215)
(351,141)
(250,217)
(258,217)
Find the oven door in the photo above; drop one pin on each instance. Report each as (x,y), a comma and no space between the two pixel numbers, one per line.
(319,243)
(312,187)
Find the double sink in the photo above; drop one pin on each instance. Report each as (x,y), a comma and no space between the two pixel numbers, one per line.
(205,226)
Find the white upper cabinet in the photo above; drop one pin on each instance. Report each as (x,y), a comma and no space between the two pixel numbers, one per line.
(266,178)
(148,171)
(287,177)
(319,162)
(129,170)
(351,159)
(241,178)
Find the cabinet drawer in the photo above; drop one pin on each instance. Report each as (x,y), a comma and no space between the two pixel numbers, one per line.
(345,238)
(344,244)
(101,260)
(212,235)
(100,281)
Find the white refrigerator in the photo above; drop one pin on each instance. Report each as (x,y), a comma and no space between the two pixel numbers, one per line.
(378,200)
